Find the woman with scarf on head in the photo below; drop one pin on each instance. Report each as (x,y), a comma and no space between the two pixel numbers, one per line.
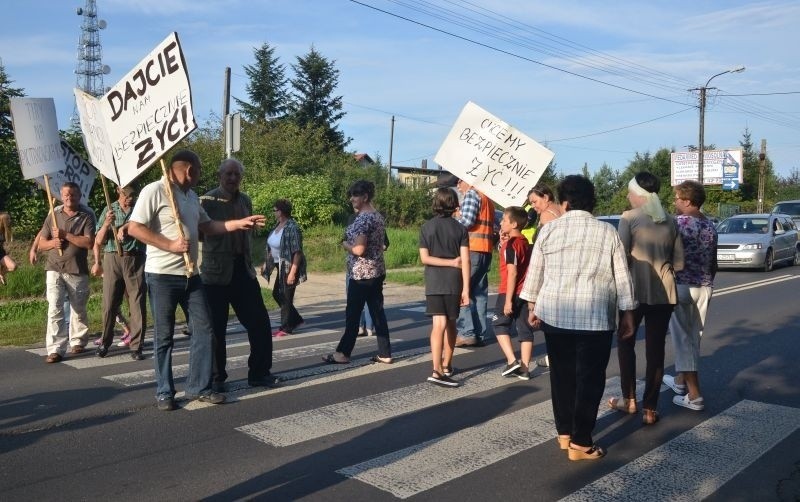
(655,251)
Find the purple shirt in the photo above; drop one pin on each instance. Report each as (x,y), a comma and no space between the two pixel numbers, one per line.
(700,250)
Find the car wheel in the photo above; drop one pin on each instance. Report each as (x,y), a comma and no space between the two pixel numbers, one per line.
(797,256)
(769,260)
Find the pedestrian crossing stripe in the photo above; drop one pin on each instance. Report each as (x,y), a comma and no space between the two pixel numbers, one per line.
(697,463)
(399,474)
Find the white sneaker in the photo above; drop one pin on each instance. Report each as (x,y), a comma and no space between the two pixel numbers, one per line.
(677,388)
(370,332)
(693,404)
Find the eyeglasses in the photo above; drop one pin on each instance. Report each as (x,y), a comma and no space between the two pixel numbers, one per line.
(276,210)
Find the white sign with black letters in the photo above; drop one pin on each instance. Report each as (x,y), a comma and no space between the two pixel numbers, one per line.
(74,169)
(493,156)
(36,133)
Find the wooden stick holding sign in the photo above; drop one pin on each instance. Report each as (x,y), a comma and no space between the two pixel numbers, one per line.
(108,210)
(52,210)
(168,188)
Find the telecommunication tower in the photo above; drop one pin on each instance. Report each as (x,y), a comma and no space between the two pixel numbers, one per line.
(90,69)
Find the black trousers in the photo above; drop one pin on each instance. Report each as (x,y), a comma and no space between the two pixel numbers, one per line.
(577,380)
(359,292)
(244,295)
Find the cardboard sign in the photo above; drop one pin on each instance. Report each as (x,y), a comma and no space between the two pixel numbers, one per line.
(36,132)
(74,169)
(145,114)
(492,156)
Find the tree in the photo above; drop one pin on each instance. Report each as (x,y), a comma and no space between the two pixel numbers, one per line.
(6,93)
(313,101)
(266,88)
(607,183)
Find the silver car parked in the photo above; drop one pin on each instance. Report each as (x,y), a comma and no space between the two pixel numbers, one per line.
(757,241)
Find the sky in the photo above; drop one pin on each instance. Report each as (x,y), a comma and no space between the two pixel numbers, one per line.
(595,81)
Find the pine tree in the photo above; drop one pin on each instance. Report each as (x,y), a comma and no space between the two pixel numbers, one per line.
(266,88)
(313,102)
(6,93)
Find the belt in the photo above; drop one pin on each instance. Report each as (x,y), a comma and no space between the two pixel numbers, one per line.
(132,253)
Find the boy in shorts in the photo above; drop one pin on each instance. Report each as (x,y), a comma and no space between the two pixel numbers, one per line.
(511,309)
(444,250)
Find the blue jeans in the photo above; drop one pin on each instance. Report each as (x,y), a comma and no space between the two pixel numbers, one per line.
(471,321)
(166,292)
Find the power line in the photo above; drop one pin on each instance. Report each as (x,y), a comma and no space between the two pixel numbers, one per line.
(621,128)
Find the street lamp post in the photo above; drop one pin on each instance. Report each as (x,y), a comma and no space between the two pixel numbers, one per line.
(700,144)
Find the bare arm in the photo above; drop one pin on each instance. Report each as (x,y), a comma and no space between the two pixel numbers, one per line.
(144,234)
(359,247)
(435,261)
(465,270)
(217,227)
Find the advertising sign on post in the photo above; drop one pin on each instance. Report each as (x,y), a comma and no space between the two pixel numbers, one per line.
(720,167)
(493,156)
(36,132)
(145,114)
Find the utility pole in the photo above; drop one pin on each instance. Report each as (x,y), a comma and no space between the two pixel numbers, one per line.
(762,169)
(226,110)
(391,146)
(701,141)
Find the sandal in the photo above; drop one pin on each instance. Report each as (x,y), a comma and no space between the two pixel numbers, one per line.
(593,453)
(330,359)
(623,404)
(649,417)
(563,442)
(379,359)
(447,371)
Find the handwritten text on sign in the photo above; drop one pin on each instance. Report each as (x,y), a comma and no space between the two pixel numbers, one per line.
(74,169)
(94,133)
(149,110)
(495,158)
(36,133)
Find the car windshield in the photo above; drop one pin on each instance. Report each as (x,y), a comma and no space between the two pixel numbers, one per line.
(744,226)
(790,208)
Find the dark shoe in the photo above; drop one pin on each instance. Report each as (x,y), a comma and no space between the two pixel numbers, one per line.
(166,404)
(523,375)
(649,417)
(211,397)
(330,359)
(379,359)
(594,453)
(266,381)
(442,380)
(447,371)
(101,351)
(219,386)
(76,349)
(466,341)
(53,358)
(137,356)
(511,369)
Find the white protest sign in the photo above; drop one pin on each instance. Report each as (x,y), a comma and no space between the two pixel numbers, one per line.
(36,132)
(492,156)
(149,110)
(95,136)
(74,169)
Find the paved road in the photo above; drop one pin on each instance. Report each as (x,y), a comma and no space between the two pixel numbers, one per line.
(88,428)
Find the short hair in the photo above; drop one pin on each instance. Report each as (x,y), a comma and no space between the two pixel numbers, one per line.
(73,185)
(542,190)
(517,215)
(692,191)
(186,156)
(445,201)
(578,192)
(283,206)
(648,181)
(230,160)
(362,187)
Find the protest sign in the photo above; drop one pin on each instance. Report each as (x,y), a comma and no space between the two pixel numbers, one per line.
(73,169)
(492,156)
(95,136)
(149,110)
(36,132)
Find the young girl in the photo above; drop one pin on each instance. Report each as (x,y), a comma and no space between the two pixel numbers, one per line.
(444,250)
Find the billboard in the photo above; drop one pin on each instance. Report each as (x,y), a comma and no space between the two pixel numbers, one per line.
(720,167)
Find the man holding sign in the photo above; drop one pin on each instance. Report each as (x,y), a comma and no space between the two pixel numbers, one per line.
(172,277)
(67,235)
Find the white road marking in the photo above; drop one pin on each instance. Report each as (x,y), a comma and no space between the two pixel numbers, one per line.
(697,463)
(752,285)
(403,473)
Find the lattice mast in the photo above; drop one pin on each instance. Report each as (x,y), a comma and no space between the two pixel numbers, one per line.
(89,69)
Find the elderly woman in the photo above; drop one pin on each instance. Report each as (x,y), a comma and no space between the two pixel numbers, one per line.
(363,241)
(655,251)
(576,283)
(695,286)
(285,249)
